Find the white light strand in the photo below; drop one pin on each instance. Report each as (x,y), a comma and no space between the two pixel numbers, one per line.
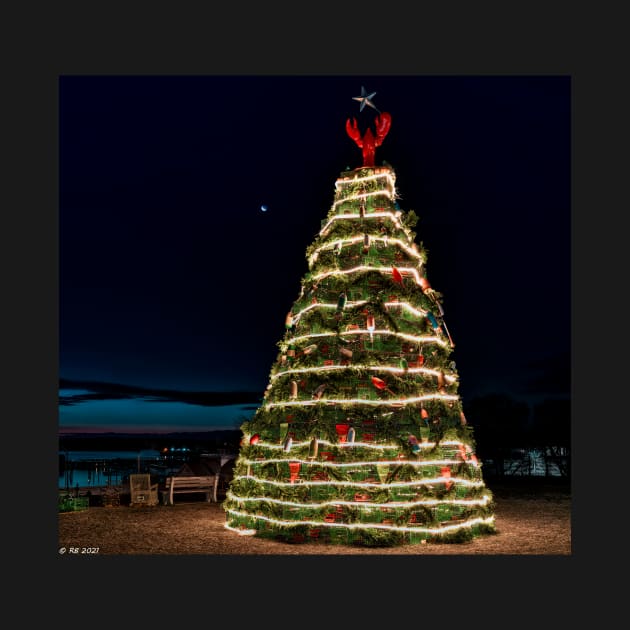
(422,339)
(381,447)
(358,464)
(366,195)
(363,401)
(348,181)
(350,304)
(366,505)
(342,272)
(350,241)
(372,368)
(354,526)
(240,532)
(365,484)
(407,307)
(315,305)
(297,445)
(353,215)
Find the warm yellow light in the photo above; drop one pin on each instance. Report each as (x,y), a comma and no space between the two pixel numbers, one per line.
(362,401)
(369,445)
(356,215)
(396,528)
(340,243)
(372,445)
(363,505)
(364,484)
(374,193)
(327,464)
(356,367)
(349,181)
(240,532)
(350,304)
(388,270)
(421,339)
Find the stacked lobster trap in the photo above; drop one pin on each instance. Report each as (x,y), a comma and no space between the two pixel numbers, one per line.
(361,437)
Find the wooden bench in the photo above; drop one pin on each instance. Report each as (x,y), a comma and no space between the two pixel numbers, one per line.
(188,484)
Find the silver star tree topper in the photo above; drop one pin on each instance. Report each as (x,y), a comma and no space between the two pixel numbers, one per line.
(365,99)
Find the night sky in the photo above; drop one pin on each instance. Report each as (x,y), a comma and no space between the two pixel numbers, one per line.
(174,281)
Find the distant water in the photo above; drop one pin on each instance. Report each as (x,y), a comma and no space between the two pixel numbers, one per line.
(140,415)
(78,456)
(102,472)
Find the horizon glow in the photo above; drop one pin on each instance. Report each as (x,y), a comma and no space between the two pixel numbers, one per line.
(132,415)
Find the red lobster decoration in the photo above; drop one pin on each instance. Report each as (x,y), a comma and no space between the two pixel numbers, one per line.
(368,143)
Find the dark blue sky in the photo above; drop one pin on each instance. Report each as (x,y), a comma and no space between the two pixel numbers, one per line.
(172,278)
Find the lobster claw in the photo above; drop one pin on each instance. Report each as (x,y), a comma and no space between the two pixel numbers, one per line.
(368,142)
(383,123)
(352,130)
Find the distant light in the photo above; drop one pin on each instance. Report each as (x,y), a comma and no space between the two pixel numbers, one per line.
(263,208)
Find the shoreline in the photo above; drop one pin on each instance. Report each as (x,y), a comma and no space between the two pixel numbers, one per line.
(150,440)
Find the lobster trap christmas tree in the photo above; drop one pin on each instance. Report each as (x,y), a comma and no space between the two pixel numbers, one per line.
(361,437)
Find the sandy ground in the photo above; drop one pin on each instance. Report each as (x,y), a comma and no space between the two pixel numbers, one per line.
(528,521)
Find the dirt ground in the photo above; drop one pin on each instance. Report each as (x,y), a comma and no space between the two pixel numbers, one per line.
(529,521)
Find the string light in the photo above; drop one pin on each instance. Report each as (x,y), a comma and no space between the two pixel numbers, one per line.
(327,464)
(363,401)
(297,445)
(442,529)
(421,339)
(366,195)
(352,192)
(365,505)
(357,368)
(347,181)
(380,447)
(353,215)
(349,304)
(364,484)
(384,270)
(351,241)
(240,532)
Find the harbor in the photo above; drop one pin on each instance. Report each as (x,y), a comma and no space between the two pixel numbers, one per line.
(101,478)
